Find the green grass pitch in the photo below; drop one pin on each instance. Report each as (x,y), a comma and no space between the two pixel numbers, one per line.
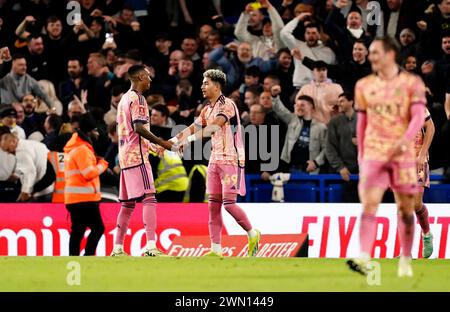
(205,274)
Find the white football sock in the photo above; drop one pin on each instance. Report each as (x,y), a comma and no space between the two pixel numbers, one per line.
(251,233)
(151,244)
(217,248)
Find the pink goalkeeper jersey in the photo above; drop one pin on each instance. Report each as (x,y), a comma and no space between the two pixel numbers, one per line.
(133,150)
(227,143)
(387,104)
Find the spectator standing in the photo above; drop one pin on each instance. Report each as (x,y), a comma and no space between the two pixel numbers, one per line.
(341,148)
(304,146)
(82,189)
(8,117)
(264,46)
(312,47)
(15,85)
(324,92)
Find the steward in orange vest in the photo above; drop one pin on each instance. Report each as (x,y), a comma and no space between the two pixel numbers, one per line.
(82,190)
(57,161)
(82,171)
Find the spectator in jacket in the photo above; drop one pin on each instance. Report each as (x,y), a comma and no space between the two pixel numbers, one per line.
(74,84)
(235,66)
(18,83)
(52,125)
(82,190)
(341,148)
(408,44)
(439,74)
(374,25)
(304,146)
(8,117)
(345,32)
(269,43)
(347,73)
(434,27)
(33,123)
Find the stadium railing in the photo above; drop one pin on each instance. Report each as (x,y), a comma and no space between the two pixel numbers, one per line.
(326,188)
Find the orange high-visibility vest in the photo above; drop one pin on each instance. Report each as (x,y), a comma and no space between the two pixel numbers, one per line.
(82,171)
(57,161)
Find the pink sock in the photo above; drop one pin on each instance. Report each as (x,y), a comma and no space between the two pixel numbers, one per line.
(123,219)
(149,217)
(215,218)
(229,203)
(406,233)
(367,232)
(422,216)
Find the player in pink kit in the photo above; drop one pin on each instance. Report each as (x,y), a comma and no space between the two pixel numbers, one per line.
(136,179)
(390,105)
(422,144)
(219,119)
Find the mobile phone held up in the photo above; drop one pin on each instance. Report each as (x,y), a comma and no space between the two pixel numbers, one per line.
(109,38)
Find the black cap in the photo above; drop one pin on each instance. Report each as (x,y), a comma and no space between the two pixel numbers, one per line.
(87,123)
(8,112)
(319,65)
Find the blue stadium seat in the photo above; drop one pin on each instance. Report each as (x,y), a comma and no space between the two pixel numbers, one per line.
(303,193)
(262,193)
(294,192)
(335,193)
(437,193)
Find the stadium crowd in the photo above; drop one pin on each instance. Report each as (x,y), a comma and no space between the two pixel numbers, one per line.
(291,68)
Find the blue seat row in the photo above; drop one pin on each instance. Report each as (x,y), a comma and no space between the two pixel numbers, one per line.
(324,188)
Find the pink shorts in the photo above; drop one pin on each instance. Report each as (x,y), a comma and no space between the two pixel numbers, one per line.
(223,179)
(136,182)
(401,177)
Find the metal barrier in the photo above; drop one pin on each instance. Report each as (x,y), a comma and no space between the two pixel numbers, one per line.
(325,188)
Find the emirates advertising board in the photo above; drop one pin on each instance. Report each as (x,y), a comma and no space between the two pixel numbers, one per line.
(288,230)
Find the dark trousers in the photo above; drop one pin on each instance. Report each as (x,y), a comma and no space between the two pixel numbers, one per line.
(170,197)
(198,188)
(9,191)
(85,215)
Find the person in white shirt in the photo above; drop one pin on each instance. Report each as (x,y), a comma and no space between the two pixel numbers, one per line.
(269,43)
(35,171)
(7,161)
(312,47)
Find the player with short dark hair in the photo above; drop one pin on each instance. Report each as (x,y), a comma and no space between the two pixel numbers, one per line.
(136,179)
(422,143)
(220,120)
